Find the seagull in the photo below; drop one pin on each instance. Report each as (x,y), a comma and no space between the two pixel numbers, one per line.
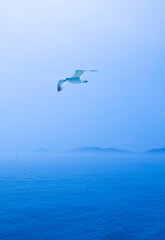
(74,79)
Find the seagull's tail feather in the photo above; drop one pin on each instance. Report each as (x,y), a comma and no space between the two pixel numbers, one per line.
(60,85)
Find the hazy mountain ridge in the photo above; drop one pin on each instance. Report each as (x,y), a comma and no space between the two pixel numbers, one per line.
(99,150)
(157,150)
(38,150)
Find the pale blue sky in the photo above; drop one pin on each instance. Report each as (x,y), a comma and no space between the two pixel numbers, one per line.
(123,105)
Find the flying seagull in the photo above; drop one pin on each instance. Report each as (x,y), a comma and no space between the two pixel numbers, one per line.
(74,79)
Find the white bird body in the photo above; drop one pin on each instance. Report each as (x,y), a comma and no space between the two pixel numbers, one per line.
(75,79)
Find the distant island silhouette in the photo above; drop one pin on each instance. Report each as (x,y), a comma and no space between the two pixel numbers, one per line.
(101,150)
(44,150)
(157,150)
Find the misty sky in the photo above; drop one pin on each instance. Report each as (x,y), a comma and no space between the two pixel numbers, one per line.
(122,106)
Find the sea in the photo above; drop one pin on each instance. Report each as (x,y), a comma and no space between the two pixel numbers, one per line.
(82,197)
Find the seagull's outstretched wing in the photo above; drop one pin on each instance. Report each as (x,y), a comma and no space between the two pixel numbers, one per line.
(61,84)
(78,73)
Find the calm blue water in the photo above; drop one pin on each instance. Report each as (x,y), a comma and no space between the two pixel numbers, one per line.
(82,198)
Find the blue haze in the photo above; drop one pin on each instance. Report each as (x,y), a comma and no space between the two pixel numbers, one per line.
(75,196)
(121,106)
